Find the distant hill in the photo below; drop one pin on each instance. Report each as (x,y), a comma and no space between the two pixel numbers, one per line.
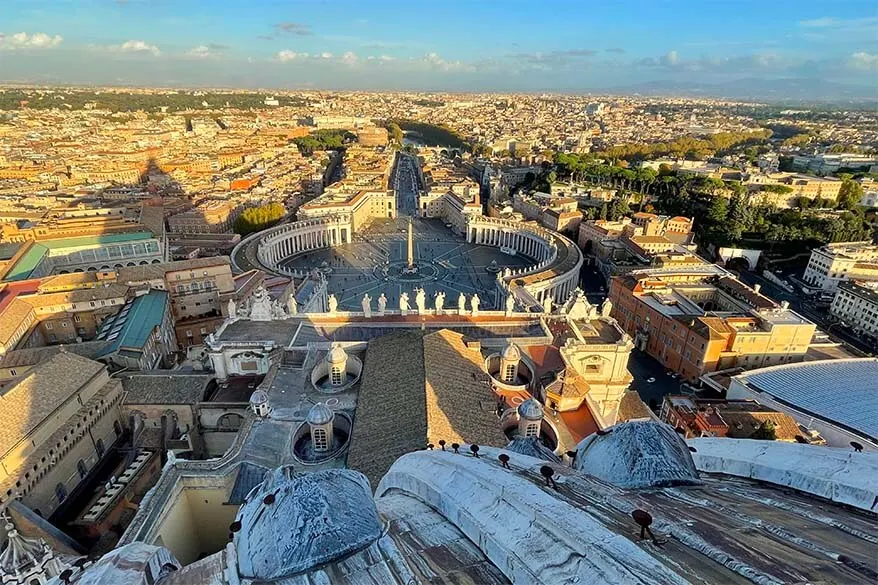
(775,90)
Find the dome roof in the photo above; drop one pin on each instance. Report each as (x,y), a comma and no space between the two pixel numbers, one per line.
(638,454)
(258,397)
(532,447)
(336,355)
(320,414)
(511,353)
(20,553)
(311,519)
(531,409)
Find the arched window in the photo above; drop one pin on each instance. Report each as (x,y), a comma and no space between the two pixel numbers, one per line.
(337,377)
(81,469)
(509,376)
(531,430)
(231,421)
(320,440)
(60,492)
(117,428)
(100,447)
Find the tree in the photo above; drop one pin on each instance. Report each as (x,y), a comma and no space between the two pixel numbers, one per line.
(551,177)
(254,219)
(765,432)
(396,135)
(850,194)
(604,210)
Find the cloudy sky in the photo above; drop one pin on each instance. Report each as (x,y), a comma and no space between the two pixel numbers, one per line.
(466,45)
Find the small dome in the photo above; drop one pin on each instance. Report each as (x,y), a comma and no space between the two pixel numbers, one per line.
(258,397)
(313,519)
(532,447)
(320,414)
(511,353)
(638,454)
(530,409)
(336,355)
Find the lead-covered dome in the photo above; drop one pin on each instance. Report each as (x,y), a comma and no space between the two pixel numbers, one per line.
(319,414)
(293,523)
(337,355)
(258,397)
(531,409)
(511,353)
(638,454)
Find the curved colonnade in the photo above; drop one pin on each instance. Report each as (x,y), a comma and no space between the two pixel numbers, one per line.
(559,260)
(554,276)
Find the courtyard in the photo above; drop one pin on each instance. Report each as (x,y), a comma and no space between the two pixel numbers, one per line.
(375,263)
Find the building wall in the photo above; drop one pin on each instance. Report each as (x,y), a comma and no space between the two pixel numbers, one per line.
(38,486)
(196,523)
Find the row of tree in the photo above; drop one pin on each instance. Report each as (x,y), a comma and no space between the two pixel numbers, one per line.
(331,139)
(254,219)
(686,146)
(14,99)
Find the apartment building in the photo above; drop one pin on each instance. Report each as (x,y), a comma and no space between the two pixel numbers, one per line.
(699,319)
(199,291)
(594,231)
(736,419)
(801,185)
(834,263)
(677,229)
(856,304)
(209,217)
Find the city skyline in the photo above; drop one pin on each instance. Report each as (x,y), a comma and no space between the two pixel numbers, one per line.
(455,46)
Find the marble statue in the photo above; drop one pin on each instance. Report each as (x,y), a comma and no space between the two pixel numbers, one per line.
(261,306)
(366,303)
(474,303)
(277,311)
(382,305)
(461,304)
(292,305)
(547,305)
(606,307)
(421,300)
(333,303)
(233,309)
(510,304)
(440,302)
(404,303)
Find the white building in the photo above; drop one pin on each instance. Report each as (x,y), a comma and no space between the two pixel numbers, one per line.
(834,263)
(857,305)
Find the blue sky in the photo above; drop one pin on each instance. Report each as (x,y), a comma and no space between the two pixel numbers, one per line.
(437,45)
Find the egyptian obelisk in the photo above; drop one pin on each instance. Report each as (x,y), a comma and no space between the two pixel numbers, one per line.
(411,248)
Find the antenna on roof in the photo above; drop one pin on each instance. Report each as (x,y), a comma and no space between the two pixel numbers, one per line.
(442,443)
(504,460)
(474,449)
(857,446)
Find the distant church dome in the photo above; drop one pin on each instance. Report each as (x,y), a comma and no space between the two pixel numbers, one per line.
(530,409)
(336,355)
(258,397)
(511,353)
(320,414)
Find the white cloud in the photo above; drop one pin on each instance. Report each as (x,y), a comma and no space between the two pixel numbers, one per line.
(287,55)
(325,55)
(434,61)
(863,60)
(671,58)
(349,58)
(135,46)
(200,51)
(22,40)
